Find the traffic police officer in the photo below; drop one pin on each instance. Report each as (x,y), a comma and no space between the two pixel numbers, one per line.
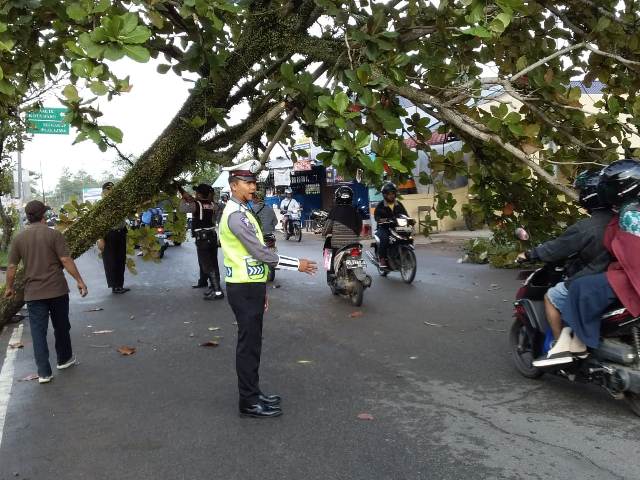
(114,251)
(247,262)
(204,212)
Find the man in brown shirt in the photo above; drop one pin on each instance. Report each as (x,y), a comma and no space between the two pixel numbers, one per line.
(44,254)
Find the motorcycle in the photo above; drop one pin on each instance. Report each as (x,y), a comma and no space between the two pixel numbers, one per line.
(401,252)
(164,238)
(319,218)
(349,278)
(614,365)
(294,225)
(270,242)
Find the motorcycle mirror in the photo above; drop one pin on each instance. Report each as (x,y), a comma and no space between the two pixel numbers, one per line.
(522,234)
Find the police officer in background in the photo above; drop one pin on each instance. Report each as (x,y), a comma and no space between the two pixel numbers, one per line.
(204,213)
(247,262)
(114,251)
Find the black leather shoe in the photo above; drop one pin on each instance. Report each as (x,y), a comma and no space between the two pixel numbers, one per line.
(271,400)
(213,296)
(120,290)
(260,410)
(200,285)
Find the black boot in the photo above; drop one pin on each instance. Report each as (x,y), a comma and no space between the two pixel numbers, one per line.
(215,292)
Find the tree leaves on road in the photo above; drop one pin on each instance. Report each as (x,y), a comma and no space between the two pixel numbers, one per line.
(16,345)
(126,351)
(101,332)
(97,309)
(304,362)
(214,342)
(28,378)
(356,314)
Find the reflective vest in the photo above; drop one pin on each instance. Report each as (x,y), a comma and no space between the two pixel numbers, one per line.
(239,265)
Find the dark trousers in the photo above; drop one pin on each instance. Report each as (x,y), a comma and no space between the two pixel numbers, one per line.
(203,278)
(383,246)
(247,302)
(39,311)
(114,257)
(208,260)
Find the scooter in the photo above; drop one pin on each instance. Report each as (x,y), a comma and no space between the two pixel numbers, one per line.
(401,252)
(348,279)
(614,365)
(319,218)
(294,225)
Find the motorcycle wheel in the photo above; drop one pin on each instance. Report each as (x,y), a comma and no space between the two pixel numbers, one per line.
(522,350)
(297,233)
(633,400)
(357,295)
(163,248)
(407,264)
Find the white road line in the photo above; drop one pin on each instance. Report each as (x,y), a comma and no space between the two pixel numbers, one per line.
(6,376)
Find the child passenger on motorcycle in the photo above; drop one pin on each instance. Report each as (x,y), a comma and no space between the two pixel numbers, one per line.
(344,223)
(581,245)
(590,296)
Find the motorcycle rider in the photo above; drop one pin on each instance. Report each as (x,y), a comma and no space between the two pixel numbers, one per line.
(591,295)
(582,244)
(344,223)
(385,213)
(204,212)
(288,205)
(266,215)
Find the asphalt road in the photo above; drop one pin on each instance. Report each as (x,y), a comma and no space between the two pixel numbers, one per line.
(445,400)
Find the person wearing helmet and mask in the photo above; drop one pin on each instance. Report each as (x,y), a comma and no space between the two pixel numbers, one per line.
(343,223)
(581,245)
(288,205)
(266,215)
(590,295)
(385,212)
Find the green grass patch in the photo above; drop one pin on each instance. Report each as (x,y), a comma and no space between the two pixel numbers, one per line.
(3,259)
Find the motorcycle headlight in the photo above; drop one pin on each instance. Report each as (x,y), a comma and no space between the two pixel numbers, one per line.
(402,222)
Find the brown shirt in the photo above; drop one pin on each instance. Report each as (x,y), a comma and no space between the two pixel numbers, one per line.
(40,248)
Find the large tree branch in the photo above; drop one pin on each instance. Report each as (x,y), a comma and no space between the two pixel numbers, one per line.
(546,59)
(448,115)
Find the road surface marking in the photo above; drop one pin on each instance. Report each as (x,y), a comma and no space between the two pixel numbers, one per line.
(6,376)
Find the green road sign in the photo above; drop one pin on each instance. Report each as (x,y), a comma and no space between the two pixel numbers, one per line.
(47,121)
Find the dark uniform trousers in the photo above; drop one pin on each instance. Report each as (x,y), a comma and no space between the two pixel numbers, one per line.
(247,302)
(207,251)
(114,257)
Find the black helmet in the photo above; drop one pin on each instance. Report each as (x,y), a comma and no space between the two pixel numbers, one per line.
(388,187)
(343,195)
(587,184)
(204,189)
(619,182)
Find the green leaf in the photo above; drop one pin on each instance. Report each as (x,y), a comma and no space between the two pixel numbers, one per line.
(1,73)
(326,102)
(603,24)
(113,133)
(516,129)
(286,69)
(71,93)
(197,122)
(494,124)
(532,130)
(113,52)
(362,139)
(478,32)
(101,6)
(339,158)
(138,35)
(163,68)
(137,53)
(76,12)
(341,102)
(99,88)
(512,118)
(81,68)
(522,63)
(614,105)
(504,18)
(322,121)
(7,45)
(156,19)
(129,23)
(574,93)
(3,27)
(6,88)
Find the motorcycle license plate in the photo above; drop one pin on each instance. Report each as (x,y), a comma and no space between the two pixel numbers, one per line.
(356,263)
(404,229)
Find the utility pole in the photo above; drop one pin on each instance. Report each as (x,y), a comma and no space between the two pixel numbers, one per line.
(44,200)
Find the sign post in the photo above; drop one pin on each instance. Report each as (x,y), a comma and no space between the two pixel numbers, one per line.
(47,121)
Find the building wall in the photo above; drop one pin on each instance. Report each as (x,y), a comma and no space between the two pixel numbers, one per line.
(413,201)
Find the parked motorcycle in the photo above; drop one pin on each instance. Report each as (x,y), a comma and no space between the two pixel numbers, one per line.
(349,278)
(319,218)
(614,365)
(401,254)
(294,225)
(165,239)
(270,242)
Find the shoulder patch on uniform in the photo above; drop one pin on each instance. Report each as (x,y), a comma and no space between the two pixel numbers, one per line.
(247,222)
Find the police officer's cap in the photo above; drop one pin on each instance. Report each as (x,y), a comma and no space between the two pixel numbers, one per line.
(245,171)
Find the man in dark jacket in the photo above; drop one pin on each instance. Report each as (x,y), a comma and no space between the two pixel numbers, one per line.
(582,245)
(386,211)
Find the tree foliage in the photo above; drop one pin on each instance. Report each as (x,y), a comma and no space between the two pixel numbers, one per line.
(338,68)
